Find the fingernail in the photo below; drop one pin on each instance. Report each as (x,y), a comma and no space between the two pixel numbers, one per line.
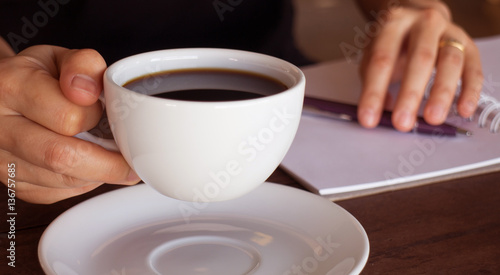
(368,117)
(133,177)
(404,120)
(85,84)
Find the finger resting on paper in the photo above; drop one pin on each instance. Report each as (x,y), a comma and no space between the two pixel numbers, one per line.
(377,70)
(422,53)
(472,81)
(448,72)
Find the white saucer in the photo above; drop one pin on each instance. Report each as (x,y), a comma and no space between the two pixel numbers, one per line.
(273,230)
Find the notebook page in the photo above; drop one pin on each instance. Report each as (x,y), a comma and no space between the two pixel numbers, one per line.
(330,156)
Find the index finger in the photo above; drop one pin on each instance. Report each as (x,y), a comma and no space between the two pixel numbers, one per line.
(377,69)
(61,154)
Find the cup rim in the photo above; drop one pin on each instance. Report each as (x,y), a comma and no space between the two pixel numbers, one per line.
(257,59)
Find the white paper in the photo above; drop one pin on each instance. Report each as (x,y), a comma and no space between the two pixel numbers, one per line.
(330,156)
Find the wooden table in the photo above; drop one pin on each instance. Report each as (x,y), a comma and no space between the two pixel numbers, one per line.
(450,227)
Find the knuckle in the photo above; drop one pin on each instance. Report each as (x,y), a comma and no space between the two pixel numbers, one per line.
(433,16)
(471,47)
(8,71)
(443,9)
(70,182)
(475,91)
(382,59)
(475,80)
(396,12)
(88,58)
(454,57)
(425,54)
(60,157)
(372,99)
(461,35)
(71,120)
(16,74)
(373,96)
(444,88)
(87,53)
(112,172)
(479,75)
(476,72)
(411,96)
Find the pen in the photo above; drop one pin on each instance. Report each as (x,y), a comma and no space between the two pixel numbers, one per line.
(348,112)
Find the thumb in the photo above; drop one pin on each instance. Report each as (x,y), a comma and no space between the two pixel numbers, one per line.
(81,73)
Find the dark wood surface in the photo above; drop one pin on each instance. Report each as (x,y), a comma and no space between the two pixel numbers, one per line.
(450,227)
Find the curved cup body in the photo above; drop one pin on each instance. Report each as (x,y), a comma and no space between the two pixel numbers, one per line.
(202,151)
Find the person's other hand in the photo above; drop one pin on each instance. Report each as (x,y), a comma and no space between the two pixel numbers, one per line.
(47,95)
(417,37)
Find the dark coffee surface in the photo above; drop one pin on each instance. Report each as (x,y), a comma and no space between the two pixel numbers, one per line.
(209,95)
(206,85)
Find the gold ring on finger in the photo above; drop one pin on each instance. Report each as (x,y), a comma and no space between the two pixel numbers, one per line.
(452,43)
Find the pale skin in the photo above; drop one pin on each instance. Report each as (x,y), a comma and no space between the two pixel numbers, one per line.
(48,94)
(43,103)
(407,49)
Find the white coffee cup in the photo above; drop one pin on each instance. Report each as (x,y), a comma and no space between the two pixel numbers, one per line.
(202,151)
